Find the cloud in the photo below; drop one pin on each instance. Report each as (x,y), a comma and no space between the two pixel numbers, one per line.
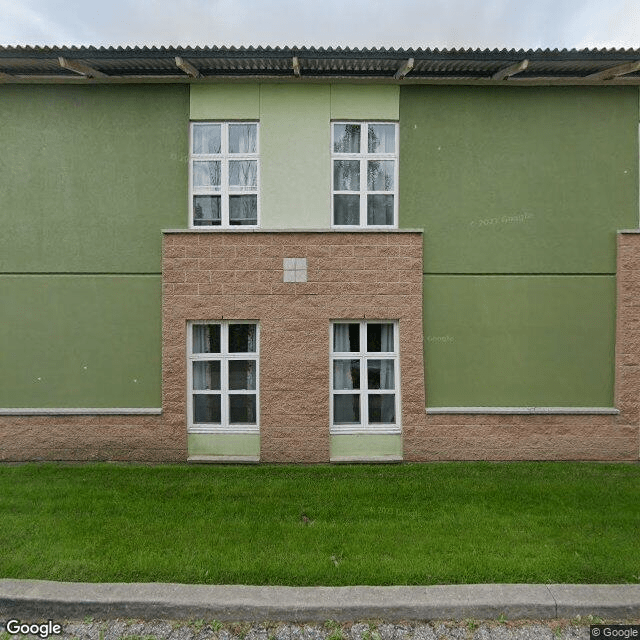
(358,23)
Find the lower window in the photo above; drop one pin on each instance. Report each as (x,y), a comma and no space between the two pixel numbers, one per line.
(364,377)
(223,377)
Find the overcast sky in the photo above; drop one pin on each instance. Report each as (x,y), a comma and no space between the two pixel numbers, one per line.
(355,23)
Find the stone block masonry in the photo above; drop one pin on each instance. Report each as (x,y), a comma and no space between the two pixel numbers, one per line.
(238,275)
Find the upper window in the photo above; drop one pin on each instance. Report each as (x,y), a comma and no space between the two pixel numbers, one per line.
(364,159)
(364,377)
(224,174)
(223,377)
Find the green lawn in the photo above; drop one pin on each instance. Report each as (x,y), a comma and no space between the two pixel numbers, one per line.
(443,523)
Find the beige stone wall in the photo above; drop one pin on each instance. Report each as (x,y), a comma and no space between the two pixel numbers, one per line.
(236,275)
(215,276)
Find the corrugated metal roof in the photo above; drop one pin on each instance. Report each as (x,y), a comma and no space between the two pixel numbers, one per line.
(565,66)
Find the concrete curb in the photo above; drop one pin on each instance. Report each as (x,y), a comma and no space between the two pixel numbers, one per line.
(38,599)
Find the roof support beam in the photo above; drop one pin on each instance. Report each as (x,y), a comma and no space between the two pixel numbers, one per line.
(506,72)
(404,69)
(187,67)
(296,67)
(81,68)
(614,72)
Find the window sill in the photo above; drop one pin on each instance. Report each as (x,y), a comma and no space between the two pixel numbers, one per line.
(370,431)
(64,411)
(253,429)
(225,459)
(525,410)
(365,459)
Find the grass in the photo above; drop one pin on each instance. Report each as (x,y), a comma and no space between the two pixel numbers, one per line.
(445,523)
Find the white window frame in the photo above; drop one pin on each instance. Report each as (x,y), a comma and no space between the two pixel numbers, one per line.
(223,357)
(225,190)
(364,356)
(364,156)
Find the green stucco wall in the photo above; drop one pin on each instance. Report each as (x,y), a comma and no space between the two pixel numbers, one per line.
(295,138)
(80,341)
(224,101)
(365,102)
(520,191)
(539,341)
(366,446)
(295,146)
(89,175)
(224,444)
(519,180)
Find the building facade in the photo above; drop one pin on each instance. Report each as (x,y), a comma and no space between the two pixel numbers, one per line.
(313,256)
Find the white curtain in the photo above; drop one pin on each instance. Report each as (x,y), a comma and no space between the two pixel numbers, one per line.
(382,138)
(206,338)
(243,138)
(206,375)
(346,374)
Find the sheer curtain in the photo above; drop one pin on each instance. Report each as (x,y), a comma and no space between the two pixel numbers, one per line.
(243,138)
(386,337)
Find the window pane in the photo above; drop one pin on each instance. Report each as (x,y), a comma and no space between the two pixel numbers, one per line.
(243,174)
(379,209)
(243,209)
(206,210)
(346,138)
(242,375)
(380,337)
(382,408)
(346,337)
(206,138)
(242,408)
(346,374)
(206,173)
(206,338)
(346,175)
(382,138)
(346,209)
(206,408)
(243,138)
(206,375)
(380,374)
(380,175)
(346,408)
(242,338)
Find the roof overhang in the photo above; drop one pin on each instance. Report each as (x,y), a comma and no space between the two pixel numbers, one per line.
(309,64)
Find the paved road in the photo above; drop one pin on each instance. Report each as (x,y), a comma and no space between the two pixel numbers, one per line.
(209,612)
(374,630)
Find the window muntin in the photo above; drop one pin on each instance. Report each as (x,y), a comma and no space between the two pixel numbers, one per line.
(364,170)
(364,377)
(224,174)
(223,377)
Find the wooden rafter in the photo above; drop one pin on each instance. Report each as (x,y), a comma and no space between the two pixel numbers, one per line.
(296,67)
(406,67)
(506,72)
(614,72)
(81,68)
(187,67)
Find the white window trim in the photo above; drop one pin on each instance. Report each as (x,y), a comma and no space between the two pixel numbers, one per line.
(224,356)
(363,157)
(363,355)
(224,192)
